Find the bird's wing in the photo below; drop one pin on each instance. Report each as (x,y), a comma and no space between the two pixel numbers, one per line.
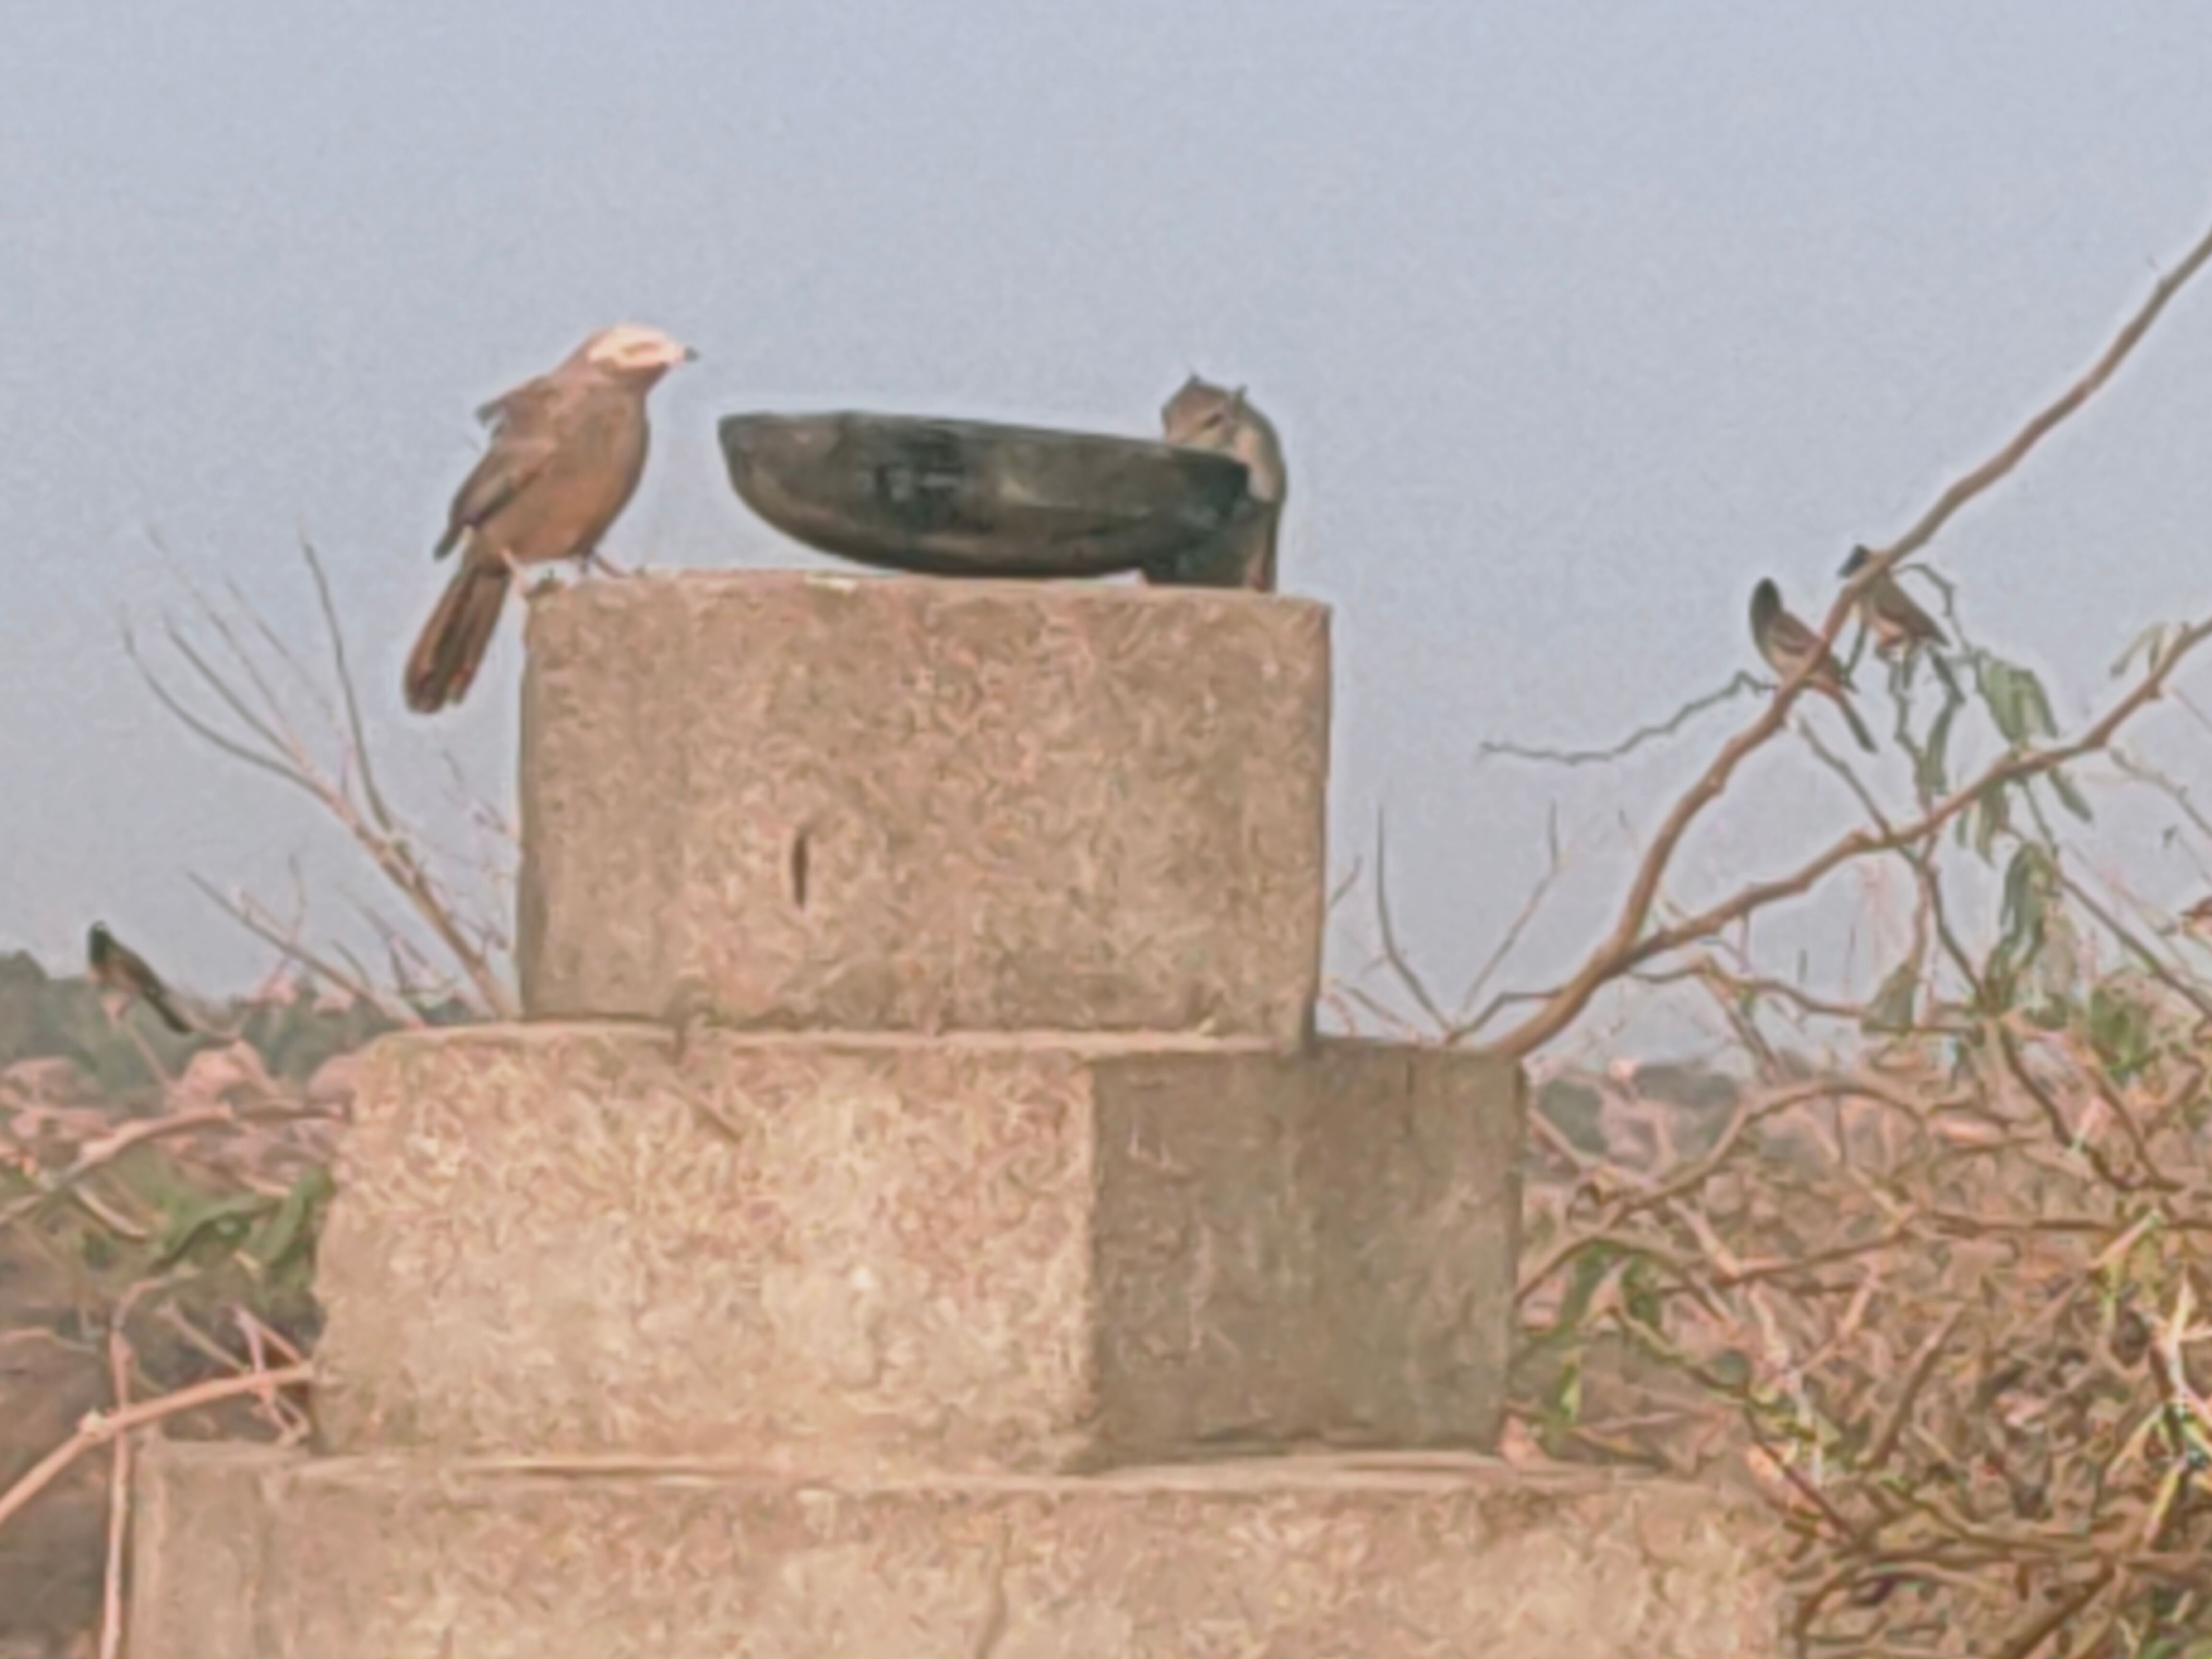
(526,425)
(1791,637)
(537,401)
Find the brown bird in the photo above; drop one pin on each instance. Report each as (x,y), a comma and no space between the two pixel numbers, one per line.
(123,973)
(1787,644)
(1897,623)
(1202,416)
(566,451)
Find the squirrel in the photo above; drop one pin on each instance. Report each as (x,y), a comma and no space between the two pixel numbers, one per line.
(1203,416)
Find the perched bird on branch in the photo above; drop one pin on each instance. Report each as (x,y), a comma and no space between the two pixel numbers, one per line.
(121,972)
(566,451)
(1202,416)
(1787,644)
(1897,623)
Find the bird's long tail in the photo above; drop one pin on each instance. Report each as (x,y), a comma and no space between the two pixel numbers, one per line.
(453,642)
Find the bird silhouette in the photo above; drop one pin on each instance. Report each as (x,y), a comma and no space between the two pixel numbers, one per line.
(116,968)
(1897,623)
(1787,644)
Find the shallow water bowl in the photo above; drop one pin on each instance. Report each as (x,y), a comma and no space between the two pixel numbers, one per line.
(974,498)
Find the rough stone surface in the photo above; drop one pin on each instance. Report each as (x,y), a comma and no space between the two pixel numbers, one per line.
(812,802)
(872,1252)
(251,1553)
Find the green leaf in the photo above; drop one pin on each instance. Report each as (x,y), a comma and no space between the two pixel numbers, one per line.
(2151,645)
(2023,920)
(2026,886)
(2001,695)
(2017,702)
(227,1219)
(283,1232)
(1929,772)
(1992,818)
(2120,1031)
(2037,705)
(1731,1369)
(1893,1005)
(2069,796)
(1640,1296)
(1590,1269)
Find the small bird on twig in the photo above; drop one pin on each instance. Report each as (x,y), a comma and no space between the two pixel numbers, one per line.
(1202,416)
(123,973)
(567,452)
(1897,623)
(1787,644)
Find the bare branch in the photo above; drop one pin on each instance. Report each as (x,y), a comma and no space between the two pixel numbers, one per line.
(1555,864)
(355,732)
(1415,986)
(1741,682)
(354,984)
(199,728)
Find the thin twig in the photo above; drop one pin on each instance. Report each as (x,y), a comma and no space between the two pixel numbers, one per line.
(354,729)
(247,915)
(1400,965)
(1741,682)
(1555,864)
(119,1498)
(100,1427)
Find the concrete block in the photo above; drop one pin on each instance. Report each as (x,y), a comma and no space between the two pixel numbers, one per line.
(870,1251)
(254,1553)
(810,802)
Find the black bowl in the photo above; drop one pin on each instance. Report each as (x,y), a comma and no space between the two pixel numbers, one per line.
(974,498)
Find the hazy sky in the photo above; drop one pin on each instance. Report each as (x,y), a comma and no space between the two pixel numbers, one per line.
(1577,319)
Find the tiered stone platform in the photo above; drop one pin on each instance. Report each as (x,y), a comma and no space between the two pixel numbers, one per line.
(915,1219)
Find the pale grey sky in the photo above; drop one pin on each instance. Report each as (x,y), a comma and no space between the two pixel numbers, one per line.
(1576,317)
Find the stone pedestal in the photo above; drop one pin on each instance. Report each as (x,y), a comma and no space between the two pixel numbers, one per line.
(916,1219)
(829,803)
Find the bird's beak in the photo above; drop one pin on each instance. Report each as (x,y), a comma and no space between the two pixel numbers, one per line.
(690,353)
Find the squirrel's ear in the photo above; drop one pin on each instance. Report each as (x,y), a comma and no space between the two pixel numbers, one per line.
(1236,401)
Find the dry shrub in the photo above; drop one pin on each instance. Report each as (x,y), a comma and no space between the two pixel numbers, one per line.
(1939,1304)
